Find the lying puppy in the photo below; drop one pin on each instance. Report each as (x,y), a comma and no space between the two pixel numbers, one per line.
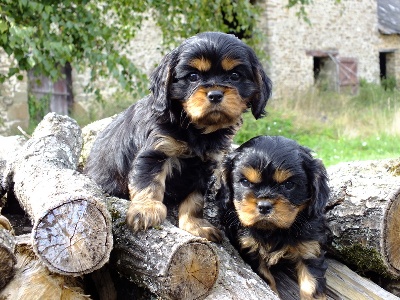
(274,194)
(165,147)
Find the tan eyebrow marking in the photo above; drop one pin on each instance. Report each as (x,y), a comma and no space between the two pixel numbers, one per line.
(281,175)
(201,64)
(229,63)
(251,174)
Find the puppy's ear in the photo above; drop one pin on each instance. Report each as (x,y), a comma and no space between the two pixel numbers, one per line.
(318,179)
(160,81)
(260,99)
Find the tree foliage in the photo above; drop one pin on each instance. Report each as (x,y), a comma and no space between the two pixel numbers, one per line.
(45,34)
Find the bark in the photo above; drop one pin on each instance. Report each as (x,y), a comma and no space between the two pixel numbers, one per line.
(9,147)
(7,256)
(33,280)
(364,215)
(71,226)
(177,265)
(341,283)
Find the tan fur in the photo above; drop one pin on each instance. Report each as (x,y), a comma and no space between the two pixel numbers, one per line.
(146,208)
(171,147)
(307,283)
(252,175)
(281,175)
(283,213)
(201,64)
(211,117)
(190,218)
(229,63)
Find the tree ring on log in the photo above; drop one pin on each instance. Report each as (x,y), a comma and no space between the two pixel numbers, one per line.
(193,271)
(73,238)
(392,233)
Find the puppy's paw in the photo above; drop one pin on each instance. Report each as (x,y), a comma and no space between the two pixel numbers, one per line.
(201,228)
(145,214)
(4,223)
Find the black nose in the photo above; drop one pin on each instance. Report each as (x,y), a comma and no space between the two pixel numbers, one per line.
(215,96)
(264,207)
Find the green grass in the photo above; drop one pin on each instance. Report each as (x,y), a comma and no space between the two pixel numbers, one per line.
(336,127)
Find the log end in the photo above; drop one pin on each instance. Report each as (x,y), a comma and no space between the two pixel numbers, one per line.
(392,234)
(193,271)
(74,238)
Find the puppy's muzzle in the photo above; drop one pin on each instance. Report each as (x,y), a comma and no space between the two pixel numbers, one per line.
(264,207)
(215,96)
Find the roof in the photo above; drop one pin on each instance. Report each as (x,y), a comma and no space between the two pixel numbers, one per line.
(389,16)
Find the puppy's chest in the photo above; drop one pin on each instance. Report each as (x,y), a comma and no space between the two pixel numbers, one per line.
(271,255)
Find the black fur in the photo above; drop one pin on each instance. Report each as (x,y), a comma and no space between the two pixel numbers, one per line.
(125,152)
(268,154)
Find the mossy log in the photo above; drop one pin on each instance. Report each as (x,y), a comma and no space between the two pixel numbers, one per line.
(364,215)
(33,281)
(71,226)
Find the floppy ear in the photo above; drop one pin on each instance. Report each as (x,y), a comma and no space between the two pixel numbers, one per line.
(160,81)
(318,179)
(260,99)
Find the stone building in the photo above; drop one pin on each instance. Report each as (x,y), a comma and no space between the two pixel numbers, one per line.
(343,43)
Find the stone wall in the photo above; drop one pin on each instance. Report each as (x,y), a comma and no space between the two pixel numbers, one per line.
(350,28)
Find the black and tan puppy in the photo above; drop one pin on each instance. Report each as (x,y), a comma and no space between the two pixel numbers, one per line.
(165,147)
(274,194)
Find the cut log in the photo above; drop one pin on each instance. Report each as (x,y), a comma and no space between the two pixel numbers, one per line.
(177,265)
(341,283)
(364,215)
(33,280)
(9,147)
(71,226)
(168,261)
(7,248)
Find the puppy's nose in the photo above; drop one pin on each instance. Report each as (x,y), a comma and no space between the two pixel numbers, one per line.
(215,96)
(264,207)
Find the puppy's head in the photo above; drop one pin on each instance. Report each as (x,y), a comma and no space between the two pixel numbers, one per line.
(214,77)
(270,180)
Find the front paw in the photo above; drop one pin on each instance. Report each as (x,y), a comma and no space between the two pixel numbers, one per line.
(201,228)
(145,214)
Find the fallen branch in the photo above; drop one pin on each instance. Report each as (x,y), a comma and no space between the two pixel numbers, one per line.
(72,227)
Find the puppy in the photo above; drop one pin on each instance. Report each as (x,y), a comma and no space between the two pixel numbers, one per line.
(164,148)
(274,194)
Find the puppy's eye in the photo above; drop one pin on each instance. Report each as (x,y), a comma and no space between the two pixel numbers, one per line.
(245,182)
(288,185)
(193,77)
(234,76)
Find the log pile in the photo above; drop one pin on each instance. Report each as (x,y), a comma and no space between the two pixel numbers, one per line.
(364,215)
(75,227)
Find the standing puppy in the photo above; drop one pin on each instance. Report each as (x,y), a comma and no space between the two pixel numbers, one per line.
(274,194)
(165,147)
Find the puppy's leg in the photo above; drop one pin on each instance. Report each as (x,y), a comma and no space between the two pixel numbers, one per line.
(191,218)
(311,278)
(265,273)
(146,191)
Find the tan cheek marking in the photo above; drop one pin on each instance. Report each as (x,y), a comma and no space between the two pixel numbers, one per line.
(281,175)
(201,64)
(247,210)
(286,212)
(229,63)
(251,174)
